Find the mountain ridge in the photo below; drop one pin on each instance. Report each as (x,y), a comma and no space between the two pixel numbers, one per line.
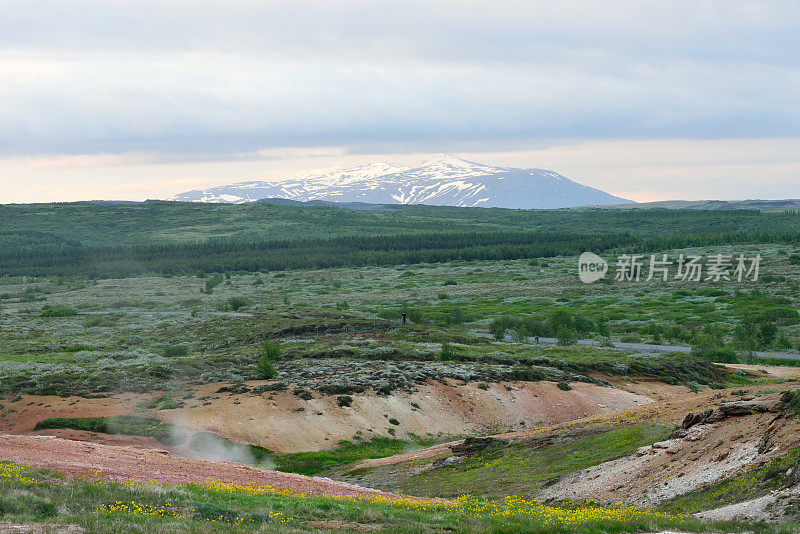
(442,180)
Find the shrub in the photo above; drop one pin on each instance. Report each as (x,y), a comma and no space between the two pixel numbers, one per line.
(88,424)
(696,387)
(532,326)
(339,388)
(171,404)
(303,393)
(560,319)
(344,400)
(270,351)
(394,421)
(58,312)
(566,336)
(722,356)
(767,331)
(447,353)
(564,386)
(783,342)
(76,347)
(526,326)
(171,351)
(601,327)
(499,326)
(791,401)
(710,339)
(234,303)
(212,282)
(265,369)
(454,316)
(416,316)
(788,314)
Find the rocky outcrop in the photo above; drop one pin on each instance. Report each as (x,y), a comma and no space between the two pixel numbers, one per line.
(472,445)
(723,411)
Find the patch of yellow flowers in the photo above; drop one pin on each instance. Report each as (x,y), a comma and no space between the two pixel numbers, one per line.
(15,472)
(136,508)
(401,501)
(507,511)
(510,508)
(515,507)
(168,512)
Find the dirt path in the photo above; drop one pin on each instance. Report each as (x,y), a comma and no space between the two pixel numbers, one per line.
(82,459)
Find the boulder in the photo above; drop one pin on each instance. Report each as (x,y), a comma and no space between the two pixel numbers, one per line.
(747,407)
(696,418)
(472,445)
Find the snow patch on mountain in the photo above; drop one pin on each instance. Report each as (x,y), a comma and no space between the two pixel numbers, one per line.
(441,180)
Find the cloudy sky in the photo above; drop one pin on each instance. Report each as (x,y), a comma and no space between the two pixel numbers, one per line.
(646,99)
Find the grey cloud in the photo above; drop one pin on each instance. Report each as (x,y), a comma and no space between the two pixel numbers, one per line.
(441,30)
(239,76)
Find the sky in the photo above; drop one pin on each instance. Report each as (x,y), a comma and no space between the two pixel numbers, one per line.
(649,100)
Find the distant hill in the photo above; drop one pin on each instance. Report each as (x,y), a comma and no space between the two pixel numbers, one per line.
(715,205)
(358,206)
(441,181)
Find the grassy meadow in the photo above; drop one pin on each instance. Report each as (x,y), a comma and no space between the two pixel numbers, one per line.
(38,496)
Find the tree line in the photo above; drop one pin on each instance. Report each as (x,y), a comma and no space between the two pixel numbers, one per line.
(42,258)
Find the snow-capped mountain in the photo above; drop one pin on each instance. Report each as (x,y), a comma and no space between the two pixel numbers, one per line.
(443,180)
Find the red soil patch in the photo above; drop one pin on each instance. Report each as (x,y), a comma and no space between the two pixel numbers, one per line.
(81,459)
(33,408)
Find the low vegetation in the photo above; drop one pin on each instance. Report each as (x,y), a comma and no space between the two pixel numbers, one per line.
(129,425)
(345,453)
(31,495)
(521,468)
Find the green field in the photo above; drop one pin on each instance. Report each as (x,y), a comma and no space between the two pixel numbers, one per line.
(521,468)
(102,299)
